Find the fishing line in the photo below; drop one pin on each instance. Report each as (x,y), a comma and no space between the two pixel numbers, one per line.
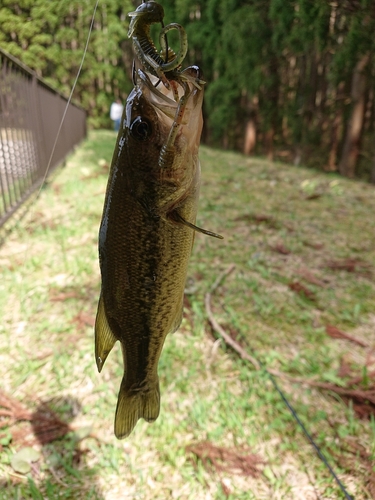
(258,364)
(306,432)
(69,100)
(304,429)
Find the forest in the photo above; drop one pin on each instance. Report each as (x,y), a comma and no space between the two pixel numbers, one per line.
(292,80)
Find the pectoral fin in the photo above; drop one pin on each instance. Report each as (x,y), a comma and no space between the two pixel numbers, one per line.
(104,337)
(178,218)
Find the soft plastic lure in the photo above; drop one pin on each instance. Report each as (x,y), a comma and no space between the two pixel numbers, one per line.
(166,64)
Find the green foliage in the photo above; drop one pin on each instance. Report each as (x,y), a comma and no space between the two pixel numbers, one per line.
(50,36)
(280,63)
(287,65)
(221,102)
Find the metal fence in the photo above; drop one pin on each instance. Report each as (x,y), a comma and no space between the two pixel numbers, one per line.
(30,117)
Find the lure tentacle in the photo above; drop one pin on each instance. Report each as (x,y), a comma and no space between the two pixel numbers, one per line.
(176,58)
(166,64)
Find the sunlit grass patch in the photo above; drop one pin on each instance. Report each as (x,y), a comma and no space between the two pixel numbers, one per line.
(303,248)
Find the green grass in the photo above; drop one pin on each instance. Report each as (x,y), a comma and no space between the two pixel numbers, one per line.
(48,296)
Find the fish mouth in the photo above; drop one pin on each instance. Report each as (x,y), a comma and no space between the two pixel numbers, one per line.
(162,99)
(179,110)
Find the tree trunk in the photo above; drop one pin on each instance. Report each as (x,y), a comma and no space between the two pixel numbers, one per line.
(335,137)
(250,137)
(372,176)
(336,128)
(372,179)
(354,129)
(268,139)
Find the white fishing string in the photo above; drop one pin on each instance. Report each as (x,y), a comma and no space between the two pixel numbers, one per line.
(69,100)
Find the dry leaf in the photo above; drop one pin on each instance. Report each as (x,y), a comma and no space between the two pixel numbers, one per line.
(350,265)
(335,333)
(280,248)
(313,244)
(310,277)
(297,287)
(226,459)
(84,319)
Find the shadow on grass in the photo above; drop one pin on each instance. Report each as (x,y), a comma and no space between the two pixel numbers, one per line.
(62,470)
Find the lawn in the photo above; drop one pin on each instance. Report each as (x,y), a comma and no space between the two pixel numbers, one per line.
(299,299)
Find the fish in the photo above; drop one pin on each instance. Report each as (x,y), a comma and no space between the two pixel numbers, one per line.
(146,238)
(147,229)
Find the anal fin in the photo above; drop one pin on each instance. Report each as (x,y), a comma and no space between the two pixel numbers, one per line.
(104,337)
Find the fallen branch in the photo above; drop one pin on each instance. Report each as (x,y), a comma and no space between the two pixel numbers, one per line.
(215,325)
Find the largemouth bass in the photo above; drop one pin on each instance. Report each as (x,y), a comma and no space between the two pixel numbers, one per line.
(145,239)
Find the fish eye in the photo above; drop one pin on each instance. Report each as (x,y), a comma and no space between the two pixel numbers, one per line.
(140,128)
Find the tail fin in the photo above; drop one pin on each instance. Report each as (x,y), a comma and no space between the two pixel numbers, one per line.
(133,405)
